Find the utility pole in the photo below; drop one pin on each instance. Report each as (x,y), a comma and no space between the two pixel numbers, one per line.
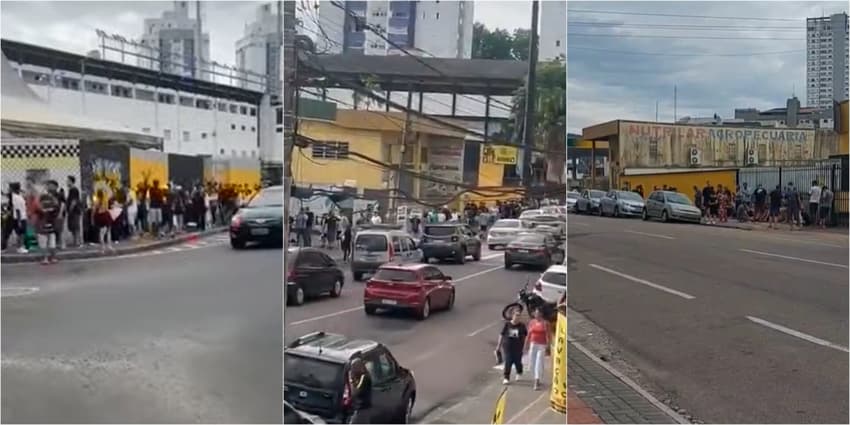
(289,116)
(199,43)
(656,110)
(530,99)
(393,200)
(675,99)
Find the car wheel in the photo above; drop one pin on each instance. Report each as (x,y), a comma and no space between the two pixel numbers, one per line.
(508,264)
(460,258)
(616,211)
(237,243)
(337,288)
(644,215)
(298,299)
(664,217)
(370,310)
(425,259)
(425,311)
(599,211)
(477,256)
(451,302)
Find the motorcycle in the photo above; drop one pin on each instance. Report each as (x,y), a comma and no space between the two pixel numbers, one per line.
(529,301)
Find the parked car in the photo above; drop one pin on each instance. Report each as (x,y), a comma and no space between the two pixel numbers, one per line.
(554,211)
(557,222)
(552,284)
(503,232)
(376,246)
(588,201)
(572,198)
(259,220)
(668,205)
(310,273)
(449,241)
(621,203)
(533,249)
(420,288)
(530,213)
(316,368)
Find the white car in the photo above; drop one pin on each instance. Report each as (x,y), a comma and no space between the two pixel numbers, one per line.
(503,232)
(530,213)
(552,284)
(572,197)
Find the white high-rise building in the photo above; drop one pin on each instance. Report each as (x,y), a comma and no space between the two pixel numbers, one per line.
(426,28)
(258,51)
(553,30)
(173,40)
(827,64)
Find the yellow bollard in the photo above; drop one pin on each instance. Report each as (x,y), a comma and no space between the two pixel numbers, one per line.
(558,395)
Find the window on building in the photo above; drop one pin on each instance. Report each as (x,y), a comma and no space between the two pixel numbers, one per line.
(222,107)
(33,77)
(143,94)
(330,150)
(278,130)
(557,43)
(278,116)
(233,153)
(243,110)
(186,101)
(121,91)
(243,128)
(185,136)
(95,87)
(202,104)
(438,15)
(146,130)
(166,134)
(203,136)
(653,148)
(221,152)
(253,129)
(253,112)
(233,126)
(232,108)
(253,154)
(165,98)
(69,83)
(244,153)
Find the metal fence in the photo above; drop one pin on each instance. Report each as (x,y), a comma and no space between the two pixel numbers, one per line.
(832,172)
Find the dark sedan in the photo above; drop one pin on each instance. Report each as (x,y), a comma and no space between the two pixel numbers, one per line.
(533,249)
(311,273)
(260,220)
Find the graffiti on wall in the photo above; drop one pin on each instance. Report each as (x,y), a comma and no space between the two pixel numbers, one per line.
(445,161)
(106,175)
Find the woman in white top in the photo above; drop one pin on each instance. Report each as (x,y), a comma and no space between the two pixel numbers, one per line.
(19,216)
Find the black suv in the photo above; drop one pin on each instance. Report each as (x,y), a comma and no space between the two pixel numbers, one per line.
(316,368)
(449,240)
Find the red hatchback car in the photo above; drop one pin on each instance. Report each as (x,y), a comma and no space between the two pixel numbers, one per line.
(414,287)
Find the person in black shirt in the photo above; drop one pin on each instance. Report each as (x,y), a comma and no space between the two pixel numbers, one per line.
(361,392)
(512,343)
(75,211)
(775,205)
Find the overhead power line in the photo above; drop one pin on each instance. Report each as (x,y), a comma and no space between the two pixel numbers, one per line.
(578,34)
(632,52)
(674,15)
(685,27)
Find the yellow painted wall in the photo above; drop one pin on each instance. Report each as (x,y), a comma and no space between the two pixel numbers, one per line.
(142,169)
(49,163)
(843,148)
(240,176)
(336,172)
(683,182)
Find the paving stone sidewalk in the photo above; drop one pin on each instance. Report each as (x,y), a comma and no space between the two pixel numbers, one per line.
(122,248)
(596,390)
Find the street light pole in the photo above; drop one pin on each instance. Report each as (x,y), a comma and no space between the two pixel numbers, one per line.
(530,98)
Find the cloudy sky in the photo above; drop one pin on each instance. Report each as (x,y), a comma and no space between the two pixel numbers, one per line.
(618,69)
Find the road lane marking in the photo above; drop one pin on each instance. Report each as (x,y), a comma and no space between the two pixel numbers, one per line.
(644,282)
(628,381)
(358,308)
(18,291)
(479,330)
(798,334)
(525,409)
(650,234)
(788,257)
(492,256)
(577,223)
(811,242)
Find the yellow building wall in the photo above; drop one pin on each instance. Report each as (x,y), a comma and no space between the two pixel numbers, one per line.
(306,169)
(683,182)
(148,166)
(241,176)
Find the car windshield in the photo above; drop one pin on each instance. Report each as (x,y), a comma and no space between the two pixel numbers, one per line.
(573,195)
(629,196)
(439,230)
(507,224)
(311,372)
(530,213)
(267,198)
(555,278)
(396,275)
(596,194)
(373,243)
(546,218)
(530,238)
(678,198)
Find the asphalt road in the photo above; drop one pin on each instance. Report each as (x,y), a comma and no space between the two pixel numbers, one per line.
(183,337)
(450,352)
(733,326)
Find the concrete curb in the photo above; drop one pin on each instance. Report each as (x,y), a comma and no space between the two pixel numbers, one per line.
(737,226)
(15,258)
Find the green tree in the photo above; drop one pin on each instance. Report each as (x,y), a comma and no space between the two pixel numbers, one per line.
(486,44)
(519,44)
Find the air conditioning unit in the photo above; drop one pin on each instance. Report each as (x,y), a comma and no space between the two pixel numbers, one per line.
(694,157)
(752,157)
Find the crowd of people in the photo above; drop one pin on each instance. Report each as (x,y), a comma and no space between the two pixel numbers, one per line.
(52,217)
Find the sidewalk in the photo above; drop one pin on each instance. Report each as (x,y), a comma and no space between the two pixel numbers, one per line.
(522,404)
(735,224)
(122,248)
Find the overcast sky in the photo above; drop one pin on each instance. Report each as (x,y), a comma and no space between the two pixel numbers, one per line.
(620,71)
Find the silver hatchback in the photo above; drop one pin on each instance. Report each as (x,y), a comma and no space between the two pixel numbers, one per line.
(621,203)
(667,206)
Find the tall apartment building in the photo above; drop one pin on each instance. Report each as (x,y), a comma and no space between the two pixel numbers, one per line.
(174,40)
(427,28)
(827,54)
(553,30)
(258,50)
